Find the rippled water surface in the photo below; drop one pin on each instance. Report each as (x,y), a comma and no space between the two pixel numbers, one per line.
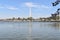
(29,30)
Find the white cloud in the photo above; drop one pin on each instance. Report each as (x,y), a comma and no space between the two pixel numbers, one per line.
(12,8)
(44,6)
(30,4)
(36,5)
(8,7)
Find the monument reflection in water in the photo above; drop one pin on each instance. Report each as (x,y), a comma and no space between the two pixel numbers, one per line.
(30,31)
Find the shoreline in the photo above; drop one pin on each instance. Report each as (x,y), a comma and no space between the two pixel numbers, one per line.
(25,21)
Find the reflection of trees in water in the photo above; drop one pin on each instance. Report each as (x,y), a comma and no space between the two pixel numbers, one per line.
(56,25)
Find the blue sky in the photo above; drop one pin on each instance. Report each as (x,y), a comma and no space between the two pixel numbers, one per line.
(20,8)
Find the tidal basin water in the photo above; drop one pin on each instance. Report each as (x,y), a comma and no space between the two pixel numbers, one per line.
(29,30)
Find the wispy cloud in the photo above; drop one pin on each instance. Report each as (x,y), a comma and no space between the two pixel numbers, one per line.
(30,4)
(44,6)
(11,8)
(1,6)
(36,5)
(8,7)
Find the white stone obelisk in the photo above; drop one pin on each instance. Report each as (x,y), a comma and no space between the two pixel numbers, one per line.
(30,12)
